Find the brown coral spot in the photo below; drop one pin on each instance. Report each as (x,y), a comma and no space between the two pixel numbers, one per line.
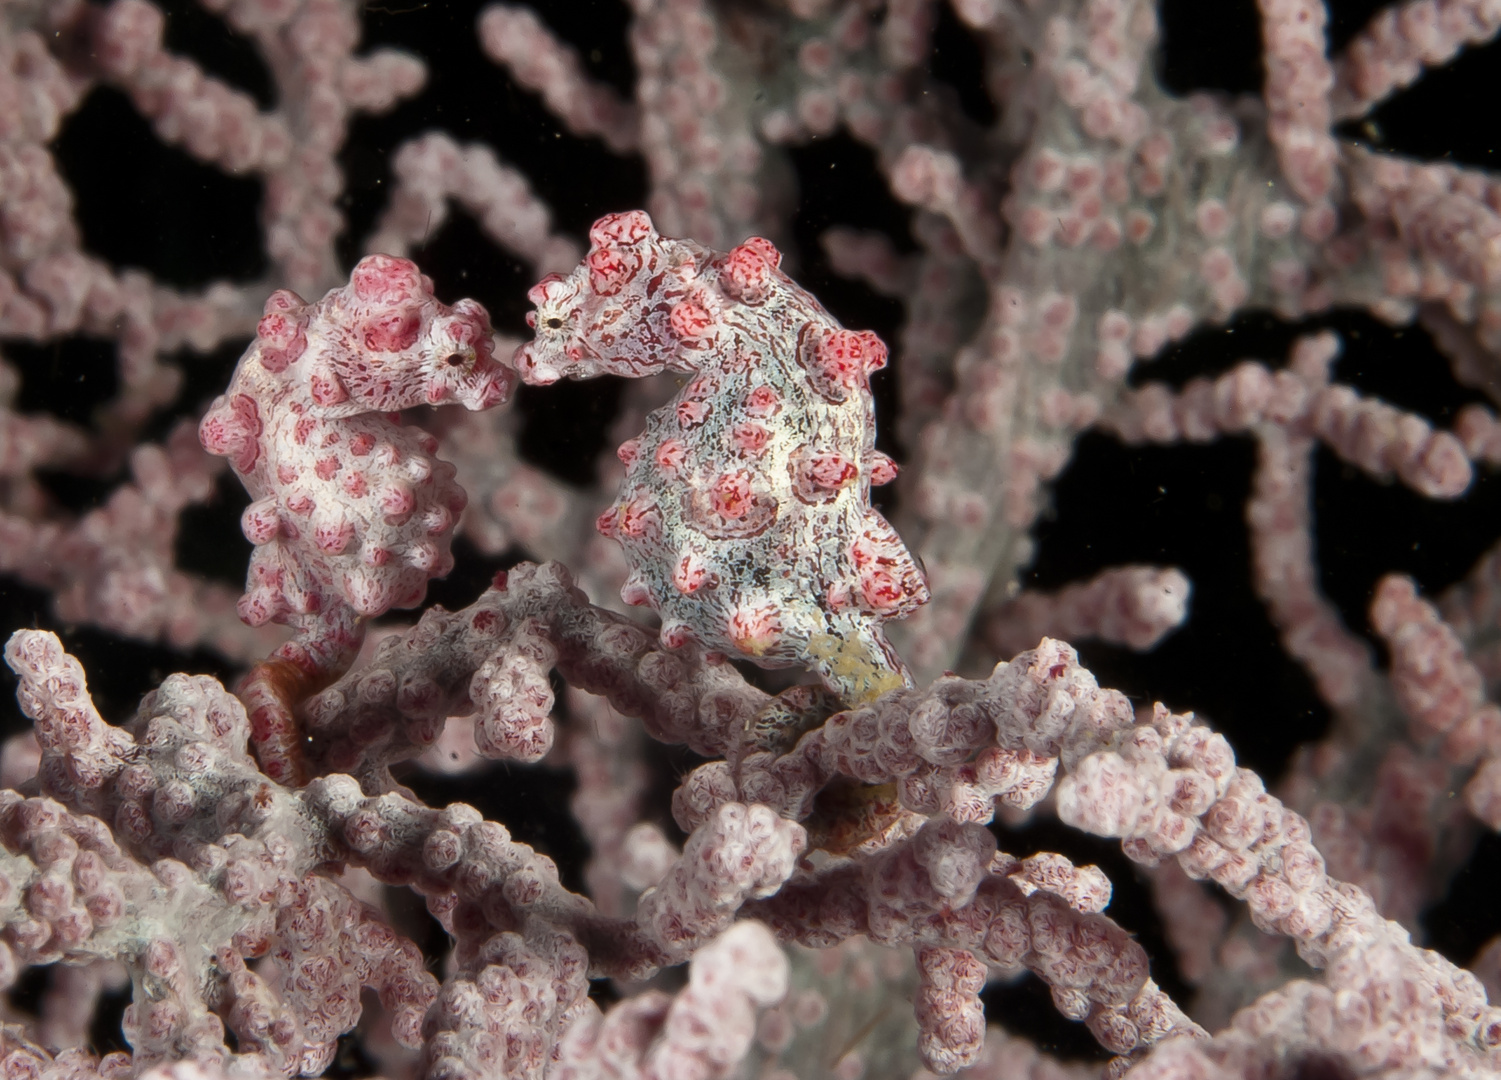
(848,815)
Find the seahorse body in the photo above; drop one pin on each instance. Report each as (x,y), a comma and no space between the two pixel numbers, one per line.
(352,513)
(745,513)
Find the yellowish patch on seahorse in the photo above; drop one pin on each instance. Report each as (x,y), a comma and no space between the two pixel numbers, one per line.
(850,666)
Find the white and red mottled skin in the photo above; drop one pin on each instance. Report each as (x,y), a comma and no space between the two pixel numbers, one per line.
(745,512)
(351,513)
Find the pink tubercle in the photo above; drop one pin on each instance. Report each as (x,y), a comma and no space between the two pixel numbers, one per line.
(387,279)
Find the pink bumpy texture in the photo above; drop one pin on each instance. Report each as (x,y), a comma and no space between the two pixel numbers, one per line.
(351,512)
(745,512)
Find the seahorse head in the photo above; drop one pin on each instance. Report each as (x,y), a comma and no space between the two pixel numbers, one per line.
(384,342)
(612,314)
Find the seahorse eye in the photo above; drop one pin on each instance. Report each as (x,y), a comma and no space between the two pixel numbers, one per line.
(554,323)
(456,359)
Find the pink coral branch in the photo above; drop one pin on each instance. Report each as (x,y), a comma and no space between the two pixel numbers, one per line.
(527,623)
(1401,42)
(433,169)
(1441,692)
(516,38)
(705,1030)
(1135,606)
